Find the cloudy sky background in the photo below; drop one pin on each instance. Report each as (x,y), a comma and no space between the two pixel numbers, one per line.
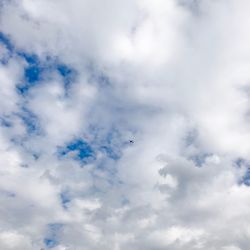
(79,80)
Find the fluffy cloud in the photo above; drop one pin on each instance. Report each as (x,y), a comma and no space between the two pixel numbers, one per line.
(124,125)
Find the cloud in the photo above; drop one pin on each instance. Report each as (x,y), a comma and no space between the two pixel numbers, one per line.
(80,80)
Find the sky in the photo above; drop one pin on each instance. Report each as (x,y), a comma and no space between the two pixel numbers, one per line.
(124,125)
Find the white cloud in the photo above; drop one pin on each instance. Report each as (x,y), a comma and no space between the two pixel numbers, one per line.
(13,240)
(161,97)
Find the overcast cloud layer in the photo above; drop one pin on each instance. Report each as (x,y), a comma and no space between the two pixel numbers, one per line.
(124,125)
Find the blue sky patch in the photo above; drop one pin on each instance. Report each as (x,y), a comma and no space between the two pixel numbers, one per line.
(51,240)
(78,150)
(50,243)
(246,178)
(30,121)
(31,59)
(37,68)
(240,162)
(33,72)
(65,199)
(6,41)
(5,122)
(68,74)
